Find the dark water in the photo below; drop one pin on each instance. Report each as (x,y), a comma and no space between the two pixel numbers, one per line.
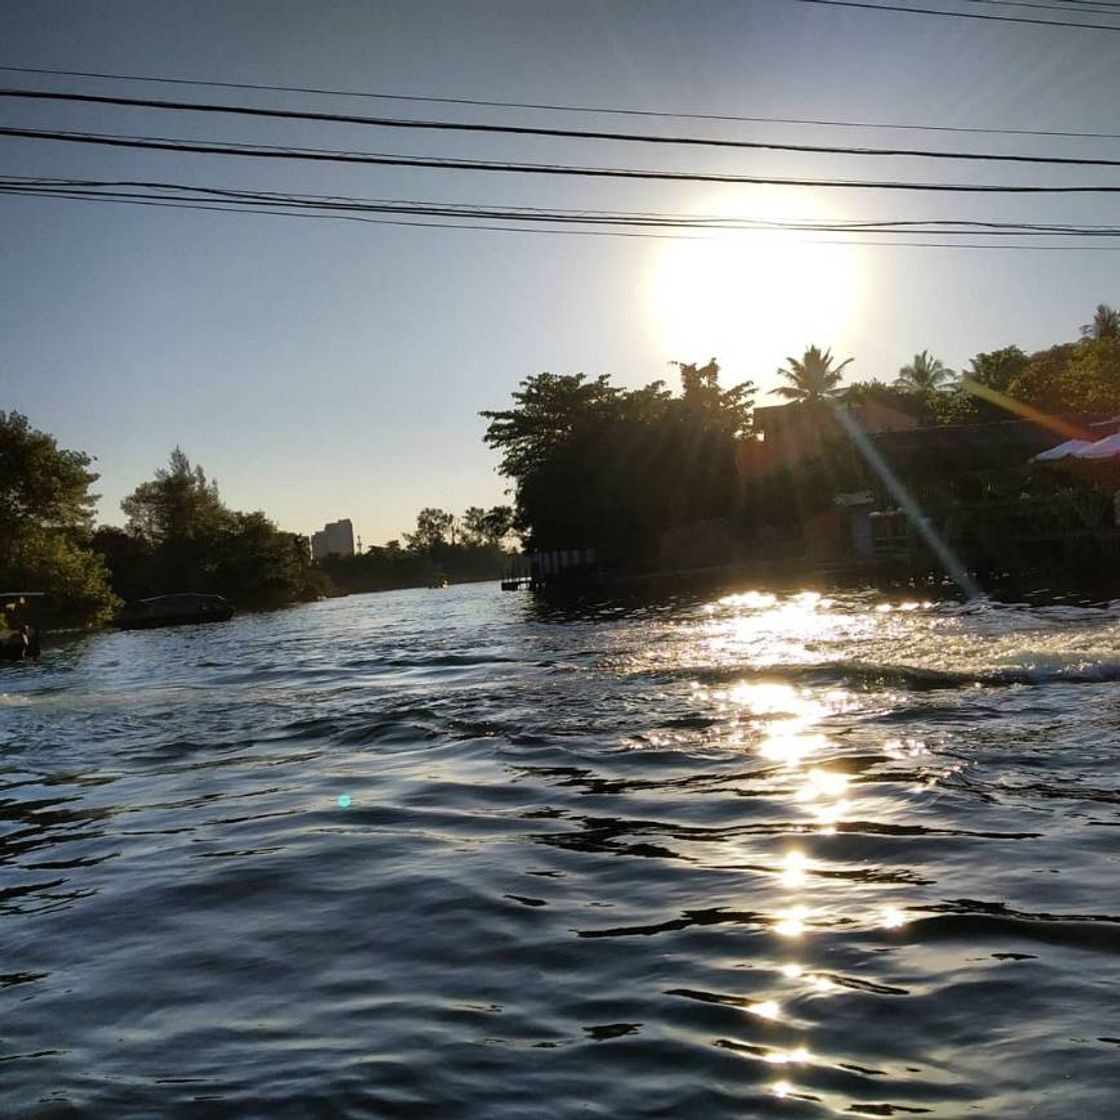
(757,858)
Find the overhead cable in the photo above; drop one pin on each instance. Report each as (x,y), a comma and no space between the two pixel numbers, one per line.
(555,133)
(261,151)
(554,108)
(1108,10)
(567,232)
(126,189)
(962,15)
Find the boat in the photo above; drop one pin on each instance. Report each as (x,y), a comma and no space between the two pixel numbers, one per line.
(183,609)
(20,623)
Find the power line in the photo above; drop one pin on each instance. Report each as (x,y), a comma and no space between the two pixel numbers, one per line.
(1070,7)
(432,224)
(556,108)
(961,15)
(128,188)
(555,133)
(261,151)
(1108,11)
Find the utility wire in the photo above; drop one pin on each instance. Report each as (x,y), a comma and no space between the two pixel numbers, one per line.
(560,133)
(962,15)
(1070,7)
(147,189)
(1108,11)
(554,108)
(261,151)
(431,224)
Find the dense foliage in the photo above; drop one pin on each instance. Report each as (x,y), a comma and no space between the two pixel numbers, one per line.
(442,548)
(180,536)
(624,472)
(46,519)
(610,469)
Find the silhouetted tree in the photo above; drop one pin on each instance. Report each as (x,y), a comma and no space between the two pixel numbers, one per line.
(925,374)
(433,529)
(813,379)
(611,469)
(181,537)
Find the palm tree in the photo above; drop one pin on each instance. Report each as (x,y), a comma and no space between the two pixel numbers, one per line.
(1105,324)
(925,374)
(813,379)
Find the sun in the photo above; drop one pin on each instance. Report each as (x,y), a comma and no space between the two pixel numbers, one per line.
(751,297)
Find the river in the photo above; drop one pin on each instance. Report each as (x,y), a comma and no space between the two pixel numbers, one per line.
(452,854)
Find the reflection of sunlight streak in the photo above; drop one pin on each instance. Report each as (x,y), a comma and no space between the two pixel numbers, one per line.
(766,1009)
(781,1088)
(792,923)
(911,508)
(786,1057)
(750,600)
(831,814)
(893,918)
(793,971)
(823,783)
(1028,412)
(793,874)
(791,749)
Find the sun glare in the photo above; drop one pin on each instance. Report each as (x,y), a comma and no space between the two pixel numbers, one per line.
(750,298)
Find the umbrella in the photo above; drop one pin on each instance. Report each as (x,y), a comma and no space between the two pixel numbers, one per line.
(1107,448)
(1064,450)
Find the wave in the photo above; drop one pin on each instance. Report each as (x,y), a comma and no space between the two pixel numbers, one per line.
(914,678)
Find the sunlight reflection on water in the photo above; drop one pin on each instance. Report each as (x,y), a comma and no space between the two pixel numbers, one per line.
(686,860)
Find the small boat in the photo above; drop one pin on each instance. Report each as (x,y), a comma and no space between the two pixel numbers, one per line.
(184,609)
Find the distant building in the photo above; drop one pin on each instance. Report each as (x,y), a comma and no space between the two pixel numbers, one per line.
(335,539)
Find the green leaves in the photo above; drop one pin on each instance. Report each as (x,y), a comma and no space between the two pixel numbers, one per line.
(46,513)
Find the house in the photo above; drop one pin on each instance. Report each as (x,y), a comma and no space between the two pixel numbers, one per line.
(788,434)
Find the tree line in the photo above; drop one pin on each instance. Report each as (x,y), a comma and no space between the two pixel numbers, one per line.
(620,471)
(441,548)
(179,535)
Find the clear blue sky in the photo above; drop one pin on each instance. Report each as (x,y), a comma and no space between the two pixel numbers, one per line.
(325,369)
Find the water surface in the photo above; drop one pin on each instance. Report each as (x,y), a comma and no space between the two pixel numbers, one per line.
(451,854)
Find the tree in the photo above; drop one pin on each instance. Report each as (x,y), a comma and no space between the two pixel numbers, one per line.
(729,409)
(179,504)
(1105,324)
(497,524)
(485,528)
(813,379)
(472,529)
(433,528)
(925,374)
(997,368)
(613,470)
(549,410)
(180,536)
(46,516)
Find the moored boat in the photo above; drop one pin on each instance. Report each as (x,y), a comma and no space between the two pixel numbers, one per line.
(183,609)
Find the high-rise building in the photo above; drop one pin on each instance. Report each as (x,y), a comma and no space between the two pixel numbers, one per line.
(335,539)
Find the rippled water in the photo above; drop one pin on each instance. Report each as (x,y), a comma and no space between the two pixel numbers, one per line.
(446,854)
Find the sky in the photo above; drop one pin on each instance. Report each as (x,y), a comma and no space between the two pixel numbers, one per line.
(321,369)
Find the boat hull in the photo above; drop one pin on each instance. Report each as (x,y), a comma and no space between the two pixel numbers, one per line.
(186,619)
